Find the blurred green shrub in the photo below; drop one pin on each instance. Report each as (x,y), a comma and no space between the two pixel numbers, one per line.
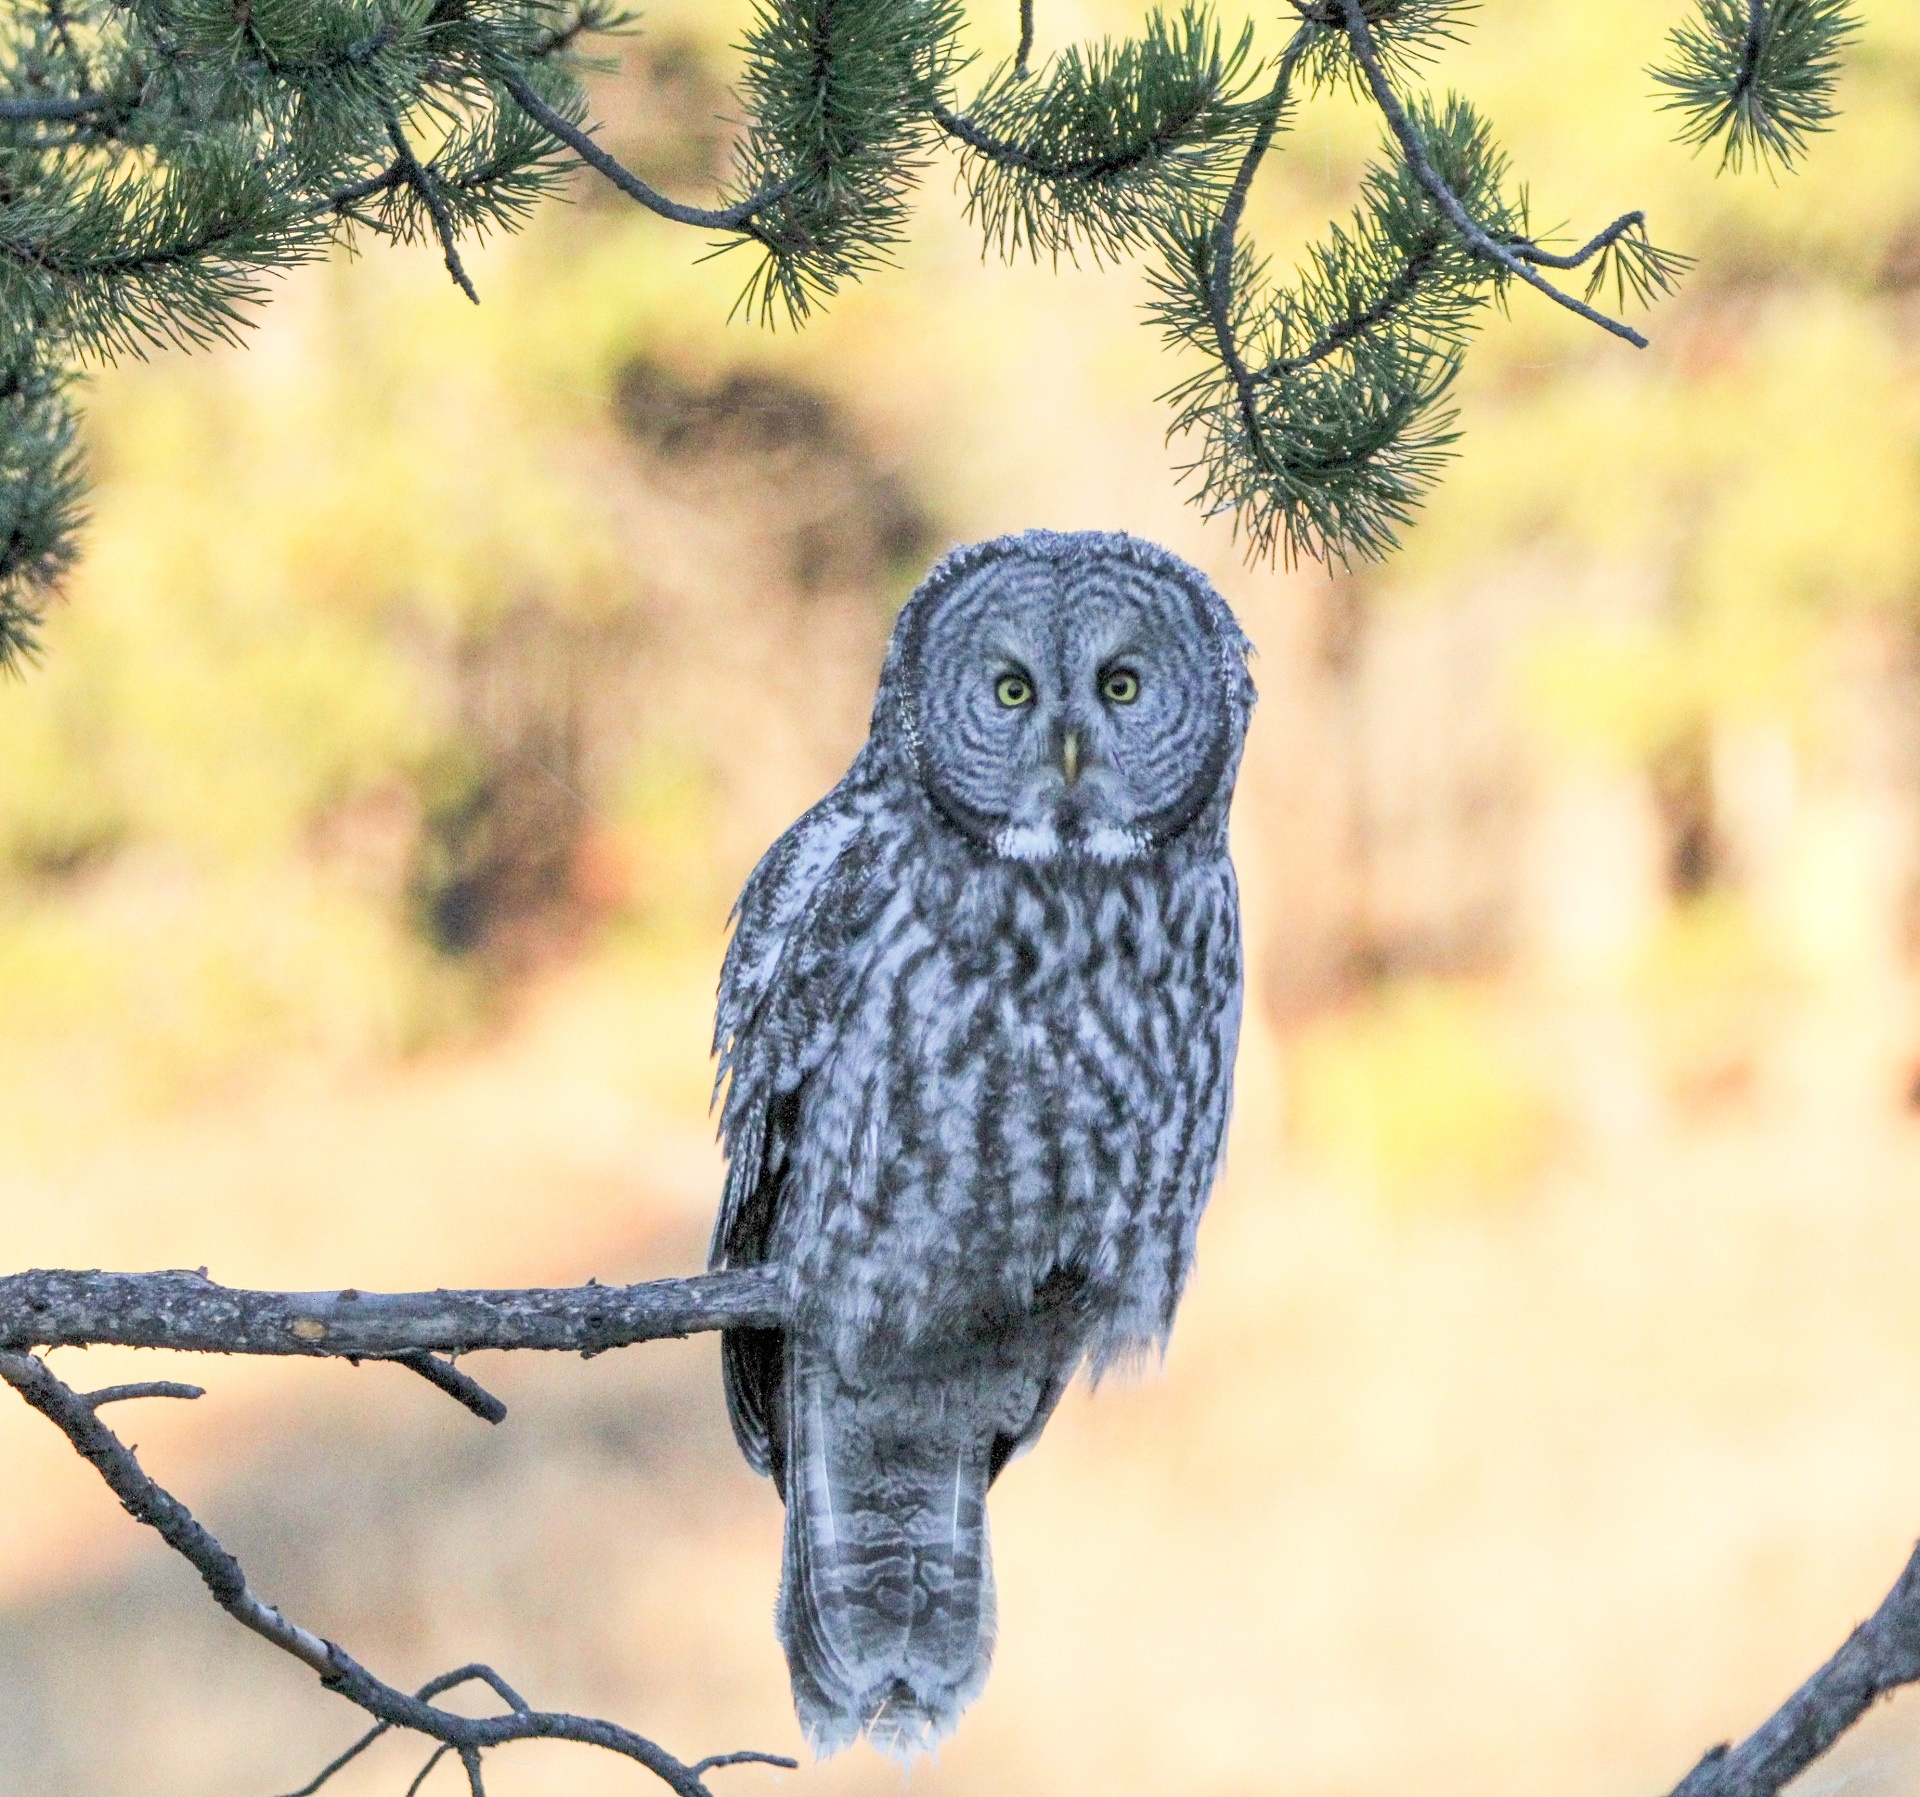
(1417,1093)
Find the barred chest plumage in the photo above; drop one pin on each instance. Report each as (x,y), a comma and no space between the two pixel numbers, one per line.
(1013,1115)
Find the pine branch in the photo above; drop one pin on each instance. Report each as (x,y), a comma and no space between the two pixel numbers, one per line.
(1109,140)
(164,157)
(58,106)
(841,96)
(425,187)
(1367,54)
(40,497)
(1320,413)
(1407,35)
(570,133)
(1757,76)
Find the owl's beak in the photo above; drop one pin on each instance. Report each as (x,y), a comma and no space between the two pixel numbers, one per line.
(1070,756)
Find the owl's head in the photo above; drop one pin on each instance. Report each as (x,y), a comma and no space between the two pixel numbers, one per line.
(1059,695)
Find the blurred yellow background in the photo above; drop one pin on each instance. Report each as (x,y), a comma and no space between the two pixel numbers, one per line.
(1547,1402)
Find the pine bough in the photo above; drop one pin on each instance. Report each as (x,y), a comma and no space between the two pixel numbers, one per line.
(160,158)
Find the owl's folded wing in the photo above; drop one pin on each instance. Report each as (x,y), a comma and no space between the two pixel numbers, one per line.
(795,955)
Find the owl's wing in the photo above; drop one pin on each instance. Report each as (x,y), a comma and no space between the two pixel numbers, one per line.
(778,991)
(783,987)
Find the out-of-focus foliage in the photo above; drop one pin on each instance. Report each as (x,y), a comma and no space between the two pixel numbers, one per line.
(1421,1097)
(366,698)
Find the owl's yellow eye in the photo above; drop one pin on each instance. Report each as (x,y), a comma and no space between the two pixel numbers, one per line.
(1013,691)
(1121,687)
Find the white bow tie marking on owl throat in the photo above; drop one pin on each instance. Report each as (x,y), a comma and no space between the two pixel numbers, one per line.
(1044,842)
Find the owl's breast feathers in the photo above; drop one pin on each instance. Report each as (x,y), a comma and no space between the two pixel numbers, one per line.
(956,1082)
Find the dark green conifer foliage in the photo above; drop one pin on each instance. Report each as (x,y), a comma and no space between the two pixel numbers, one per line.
(160,159)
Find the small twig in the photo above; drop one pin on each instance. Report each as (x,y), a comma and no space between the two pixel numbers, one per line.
(1012,155)
(1026,39)
(467,1675)
(433,1759)
(153,1388)
(347,197)
(421,180)
(564,37)
(342,1759)
(1394,295)
(713,1762)
(1367,53)
(63,29)
(1881,1655)
(448,1378)
(720,218)
(1532,252)
(446,1681)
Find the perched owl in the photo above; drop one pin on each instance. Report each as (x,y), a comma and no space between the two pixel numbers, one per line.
(977,1024)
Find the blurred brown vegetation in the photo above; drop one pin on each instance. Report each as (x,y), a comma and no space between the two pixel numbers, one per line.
(1544,1406)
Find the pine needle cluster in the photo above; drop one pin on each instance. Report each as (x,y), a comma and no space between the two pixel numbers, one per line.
(1757,77)
(1090,154)
(1319,406)
(161,160)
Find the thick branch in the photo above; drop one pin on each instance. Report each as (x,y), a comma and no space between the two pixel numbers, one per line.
(1882,1654)
(1367,53)
(189,1311)
(717,218)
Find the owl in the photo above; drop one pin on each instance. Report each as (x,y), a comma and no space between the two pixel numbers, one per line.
(976,1029)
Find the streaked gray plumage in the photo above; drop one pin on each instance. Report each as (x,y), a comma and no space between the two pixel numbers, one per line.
(977,1022)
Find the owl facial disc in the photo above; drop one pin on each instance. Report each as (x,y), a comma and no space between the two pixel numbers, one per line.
(1069,696)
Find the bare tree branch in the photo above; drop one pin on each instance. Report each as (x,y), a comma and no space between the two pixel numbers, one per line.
(55,1308)
(1881,1655)
(74,1415)
(151,1388)
(182,1310)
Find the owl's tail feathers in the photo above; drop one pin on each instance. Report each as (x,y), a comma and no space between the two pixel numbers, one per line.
(886,1595)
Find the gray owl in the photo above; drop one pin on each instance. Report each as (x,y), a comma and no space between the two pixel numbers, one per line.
(977,1023)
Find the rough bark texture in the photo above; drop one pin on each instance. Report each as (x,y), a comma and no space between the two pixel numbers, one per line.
(51,1309)
(1882,1654)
